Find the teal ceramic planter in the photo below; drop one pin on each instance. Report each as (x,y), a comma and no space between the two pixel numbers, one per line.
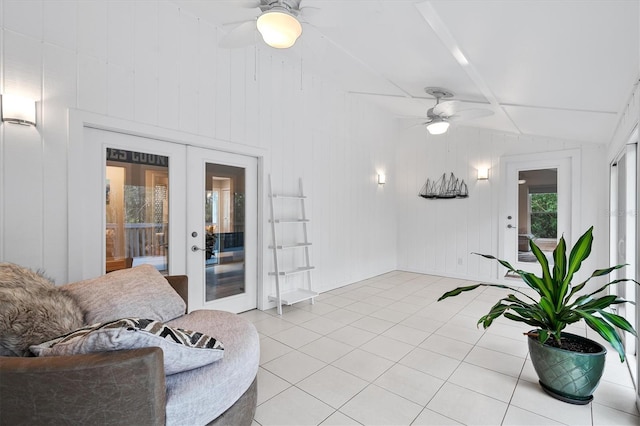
(567,375)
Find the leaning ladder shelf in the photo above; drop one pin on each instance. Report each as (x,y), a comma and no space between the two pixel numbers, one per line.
(289,297)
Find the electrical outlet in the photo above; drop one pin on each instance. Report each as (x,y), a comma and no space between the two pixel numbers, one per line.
(460,261)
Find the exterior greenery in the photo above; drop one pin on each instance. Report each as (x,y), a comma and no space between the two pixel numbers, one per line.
(544,215)
(558,302)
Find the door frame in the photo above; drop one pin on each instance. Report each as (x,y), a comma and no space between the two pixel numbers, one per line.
(632,140)
(78,120)
(535,160)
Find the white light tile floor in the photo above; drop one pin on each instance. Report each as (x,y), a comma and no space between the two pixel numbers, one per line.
(383,352)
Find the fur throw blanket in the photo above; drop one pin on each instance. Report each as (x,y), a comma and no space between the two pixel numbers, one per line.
(32,310)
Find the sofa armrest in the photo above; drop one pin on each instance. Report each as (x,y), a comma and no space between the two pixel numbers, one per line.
(119,387)
(180,284)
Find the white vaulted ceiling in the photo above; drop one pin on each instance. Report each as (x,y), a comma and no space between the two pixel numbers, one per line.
(556,68)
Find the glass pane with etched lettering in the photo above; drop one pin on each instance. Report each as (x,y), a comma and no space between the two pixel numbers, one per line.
(137,209)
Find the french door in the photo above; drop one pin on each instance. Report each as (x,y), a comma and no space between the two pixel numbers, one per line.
(536,206)
(185,210)
(222,232)
(129,205)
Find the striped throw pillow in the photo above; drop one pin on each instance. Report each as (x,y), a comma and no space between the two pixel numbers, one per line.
(183,349)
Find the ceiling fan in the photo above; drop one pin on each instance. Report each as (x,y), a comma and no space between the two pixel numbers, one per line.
(442,113)
(277,21)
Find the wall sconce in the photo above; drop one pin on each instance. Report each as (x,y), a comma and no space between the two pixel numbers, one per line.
(483,173)
(19,110)
(382,179)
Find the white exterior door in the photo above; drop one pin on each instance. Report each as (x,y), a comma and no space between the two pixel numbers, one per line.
(539,192)
(222,230)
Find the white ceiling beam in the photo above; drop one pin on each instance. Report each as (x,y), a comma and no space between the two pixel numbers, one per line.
(438,26)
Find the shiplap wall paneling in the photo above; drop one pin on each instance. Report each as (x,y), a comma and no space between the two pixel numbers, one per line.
(60,27)
(264,100)
(407,179)
(120,75)
(294,145)
(292,149)
(58,77)
(323,249)
(23,17)
(415,169)
(238,98)
(467,263)
(92,29)
(120,31)
(146,58)
(207,78)
(168,86)
(439,211)
(352,190)
(462,170)
(486,220)
(362,213)
(334,176)
(188,65)
(252,97)
(222,98)
(22,154)
(59,90)
(92,84)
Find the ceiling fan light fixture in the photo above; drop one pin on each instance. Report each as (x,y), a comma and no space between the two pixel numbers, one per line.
(279,29)
(438,126)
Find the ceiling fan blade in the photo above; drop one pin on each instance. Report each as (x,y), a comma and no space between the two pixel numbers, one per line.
(309,11)
(411,122)
(470,114)
(446,108)
(315,16)
(241,36)
(424,123)
(247,4)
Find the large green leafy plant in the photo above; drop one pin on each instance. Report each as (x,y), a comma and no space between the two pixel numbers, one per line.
(558,301)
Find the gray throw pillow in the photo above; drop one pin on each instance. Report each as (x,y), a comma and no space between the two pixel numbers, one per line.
(140,292)
(32,310)
(183,349)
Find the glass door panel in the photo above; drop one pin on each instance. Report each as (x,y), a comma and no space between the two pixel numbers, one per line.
(537,212)
(224,229)
(136,209)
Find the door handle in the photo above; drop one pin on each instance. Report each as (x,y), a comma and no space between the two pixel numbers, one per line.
(196,248)
(510,226)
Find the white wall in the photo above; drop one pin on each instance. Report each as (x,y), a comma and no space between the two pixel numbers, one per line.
(438,236)
(149,62)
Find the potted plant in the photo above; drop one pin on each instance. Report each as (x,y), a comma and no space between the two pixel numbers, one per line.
(569,366)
